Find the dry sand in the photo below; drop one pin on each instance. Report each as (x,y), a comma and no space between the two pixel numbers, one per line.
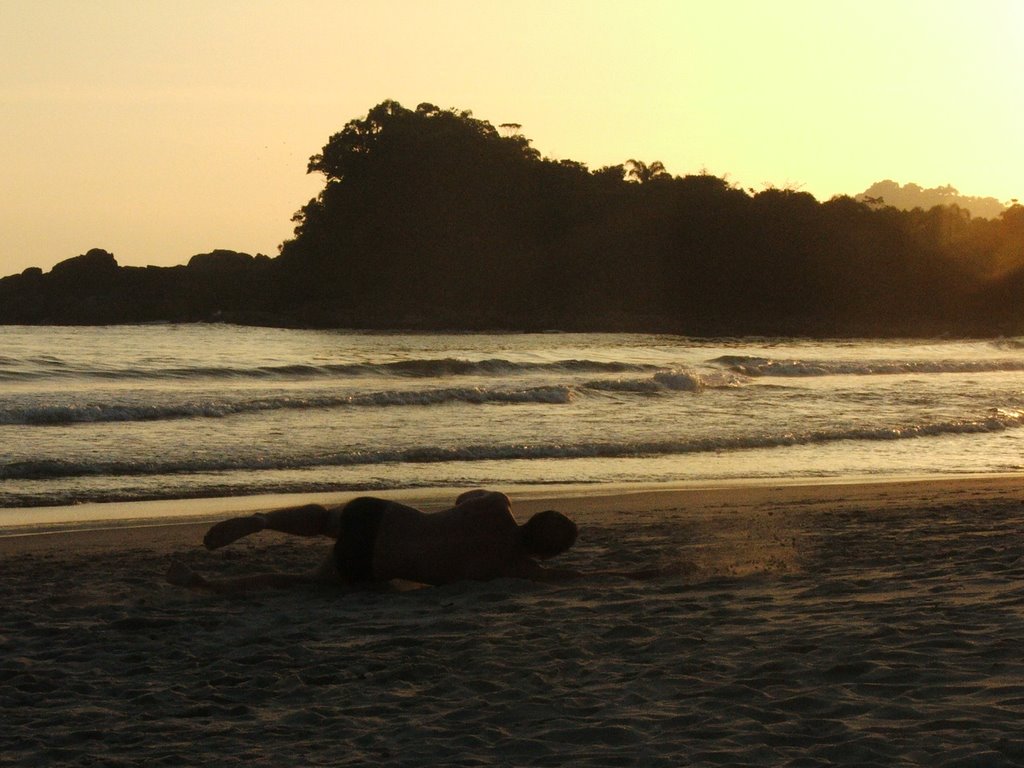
(868,625)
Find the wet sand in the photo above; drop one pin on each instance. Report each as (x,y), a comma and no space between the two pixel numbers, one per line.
(868,625)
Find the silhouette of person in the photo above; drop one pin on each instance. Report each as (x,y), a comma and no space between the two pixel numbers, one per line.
(377,540)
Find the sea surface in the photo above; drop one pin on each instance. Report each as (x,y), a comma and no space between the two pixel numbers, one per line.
(183,411)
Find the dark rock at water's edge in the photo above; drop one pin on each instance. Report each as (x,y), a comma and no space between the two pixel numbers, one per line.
(92,289)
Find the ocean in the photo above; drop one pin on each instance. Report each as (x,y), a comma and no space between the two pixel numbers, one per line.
(128,413)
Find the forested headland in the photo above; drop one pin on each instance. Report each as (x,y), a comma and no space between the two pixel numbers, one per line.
(433,219)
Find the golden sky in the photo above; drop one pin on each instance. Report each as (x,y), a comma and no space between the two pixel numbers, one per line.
(161,129)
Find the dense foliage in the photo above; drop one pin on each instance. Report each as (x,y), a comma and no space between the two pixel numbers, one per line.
(431,218)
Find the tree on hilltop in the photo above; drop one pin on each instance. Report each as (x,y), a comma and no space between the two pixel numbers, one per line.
(640,171)
(429,202)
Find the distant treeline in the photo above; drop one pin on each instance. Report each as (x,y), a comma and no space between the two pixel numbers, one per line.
(433,219)
(910,196)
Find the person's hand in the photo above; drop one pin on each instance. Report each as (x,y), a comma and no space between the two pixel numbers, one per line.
(227,531)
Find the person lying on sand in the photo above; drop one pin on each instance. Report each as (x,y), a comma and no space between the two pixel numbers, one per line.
(379,540)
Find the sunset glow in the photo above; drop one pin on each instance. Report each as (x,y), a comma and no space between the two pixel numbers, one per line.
(161,130)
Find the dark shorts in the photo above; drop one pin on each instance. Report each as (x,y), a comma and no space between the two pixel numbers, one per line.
(353,551)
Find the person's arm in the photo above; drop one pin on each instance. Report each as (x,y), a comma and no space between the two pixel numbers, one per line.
(181,575)
(307,520)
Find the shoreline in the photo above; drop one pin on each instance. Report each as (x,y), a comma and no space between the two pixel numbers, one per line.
(110,525)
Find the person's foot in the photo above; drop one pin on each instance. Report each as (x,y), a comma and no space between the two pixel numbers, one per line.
(223,533)
(180,575)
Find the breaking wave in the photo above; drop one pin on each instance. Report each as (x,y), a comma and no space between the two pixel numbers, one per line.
(995,421)
(668,381)
(662,382)
(118,412)
(763,366)
(37,368)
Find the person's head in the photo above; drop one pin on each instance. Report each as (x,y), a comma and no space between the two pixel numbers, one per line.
(547,534)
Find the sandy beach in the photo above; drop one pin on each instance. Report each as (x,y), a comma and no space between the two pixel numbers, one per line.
(843,624)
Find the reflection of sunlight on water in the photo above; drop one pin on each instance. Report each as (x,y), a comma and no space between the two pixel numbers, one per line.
(285,411)
(914,457)
(909,457)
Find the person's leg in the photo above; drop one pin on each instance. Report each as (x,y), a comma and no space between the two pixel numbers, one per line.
(181,575)
(358,525)
(307,520)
